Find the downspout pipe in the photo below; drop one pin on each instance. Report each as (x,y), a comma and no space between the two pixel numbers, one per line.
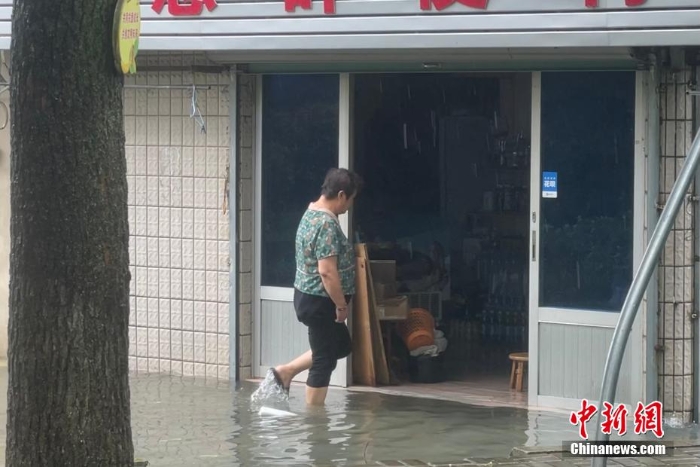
(653,184)
(639,286)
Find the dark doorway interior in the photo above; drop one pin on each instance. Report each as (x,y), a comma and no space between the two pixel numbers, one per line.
(445,158)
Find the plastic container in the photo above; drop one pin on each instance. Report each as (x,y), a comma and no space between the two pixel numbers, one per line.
(418,330)
(426,369)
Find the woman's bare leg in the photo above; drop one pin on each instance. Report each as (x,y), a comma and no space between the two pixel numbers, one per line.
(316,396)
(289,370)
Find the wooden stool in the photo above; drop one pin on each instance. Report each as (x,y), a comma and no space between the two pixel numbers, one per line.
(519,360)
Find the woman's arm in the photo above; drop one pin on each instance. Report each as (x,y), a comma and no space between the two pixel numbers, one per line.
(328,268)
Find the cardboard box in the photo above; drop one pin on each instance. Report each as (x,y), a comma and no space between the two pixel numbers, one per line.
(384,279)
(384,291)
(393,309)
(383,271)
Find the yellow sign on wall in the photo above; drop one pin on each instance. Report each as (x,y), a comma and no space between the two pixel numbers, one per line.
(127,29)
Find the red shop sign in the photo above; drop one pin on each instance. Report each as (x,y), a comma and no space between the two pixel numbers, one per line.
(329,5)
(195,7)
(184,7)
(483,4)
(594,3)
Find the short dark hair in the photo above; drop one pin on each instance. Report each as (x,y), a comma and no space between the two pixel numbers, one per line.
(338,180)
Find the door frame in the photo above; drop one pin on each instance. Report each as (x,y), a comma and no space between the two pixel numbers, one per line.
(342,374)
(590,318)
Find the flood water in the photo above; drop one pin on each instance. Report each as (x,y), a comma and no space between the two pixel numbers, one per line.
(178,420)
(186,422)
(181,422)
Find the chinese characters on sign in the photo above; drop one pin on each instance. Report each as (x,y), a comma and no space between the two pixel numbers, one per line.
(291,5)
(195,7)
(647,418)
(184,7)
(130,17)
(131,33)
(549,184)
(442,4)
(483,4)
(594,3)
(126,32)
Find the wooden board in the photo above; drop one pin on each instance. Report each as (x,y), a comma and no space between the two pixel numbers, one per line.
(379,355)
(362,359)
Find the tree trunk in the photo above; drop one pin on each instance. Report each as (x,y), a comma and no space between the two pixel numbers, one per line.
(68,398)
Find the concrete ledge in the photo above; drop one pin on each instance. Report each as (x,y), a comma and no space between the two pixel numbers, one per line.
(524,451)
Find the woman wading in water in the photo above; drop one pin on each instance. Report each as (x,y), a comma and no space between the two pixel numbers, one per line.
(323,286)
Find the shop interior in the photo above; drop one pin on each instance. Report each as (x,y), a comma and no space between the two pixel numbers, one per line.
(446,162)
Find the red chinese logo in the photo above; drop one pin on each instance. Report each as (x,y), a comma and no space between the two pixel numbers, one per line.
(594,3)
(614,419)
(291,5)
(582,416)
(184,7)
(646,418)
(649,418)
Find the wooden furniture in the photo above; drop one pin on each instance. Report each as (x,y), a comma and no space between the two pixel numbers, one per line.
(369,358)
(519,360)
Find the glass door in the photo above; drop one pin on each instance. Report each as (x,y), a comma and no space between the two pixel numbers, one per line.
(584,225)
(302,132)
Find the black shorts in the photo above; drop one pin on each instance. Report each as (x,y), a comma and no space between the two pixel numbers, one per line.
(329,341)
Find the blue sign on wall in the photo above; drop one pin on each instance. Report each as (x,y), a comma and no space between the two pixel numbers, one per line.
(549,184)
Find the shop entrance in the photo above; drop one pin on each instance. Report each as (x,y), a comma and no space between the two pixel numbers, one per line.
(446,162)
(508,206)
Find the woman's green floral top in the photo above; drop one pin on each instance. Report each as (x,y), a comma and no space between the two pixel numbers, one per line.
(320,236)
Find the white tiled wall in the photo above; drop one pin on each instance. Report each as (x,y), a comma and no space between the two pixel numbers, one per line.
(179,234)
(676,267)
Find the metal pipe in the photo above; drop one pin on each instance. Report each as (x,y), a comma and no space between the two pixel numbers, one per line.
(653,160)
(639,285)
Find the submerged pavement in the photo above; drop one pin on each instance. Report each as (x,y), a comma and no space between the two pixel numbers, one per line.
(186,422)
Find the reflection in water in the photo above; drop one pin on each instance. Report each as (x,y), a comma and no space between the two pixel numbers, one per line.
(181,422)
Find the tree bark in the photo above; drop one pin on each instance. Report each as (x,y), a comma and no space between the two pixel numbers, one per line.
(68,397)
